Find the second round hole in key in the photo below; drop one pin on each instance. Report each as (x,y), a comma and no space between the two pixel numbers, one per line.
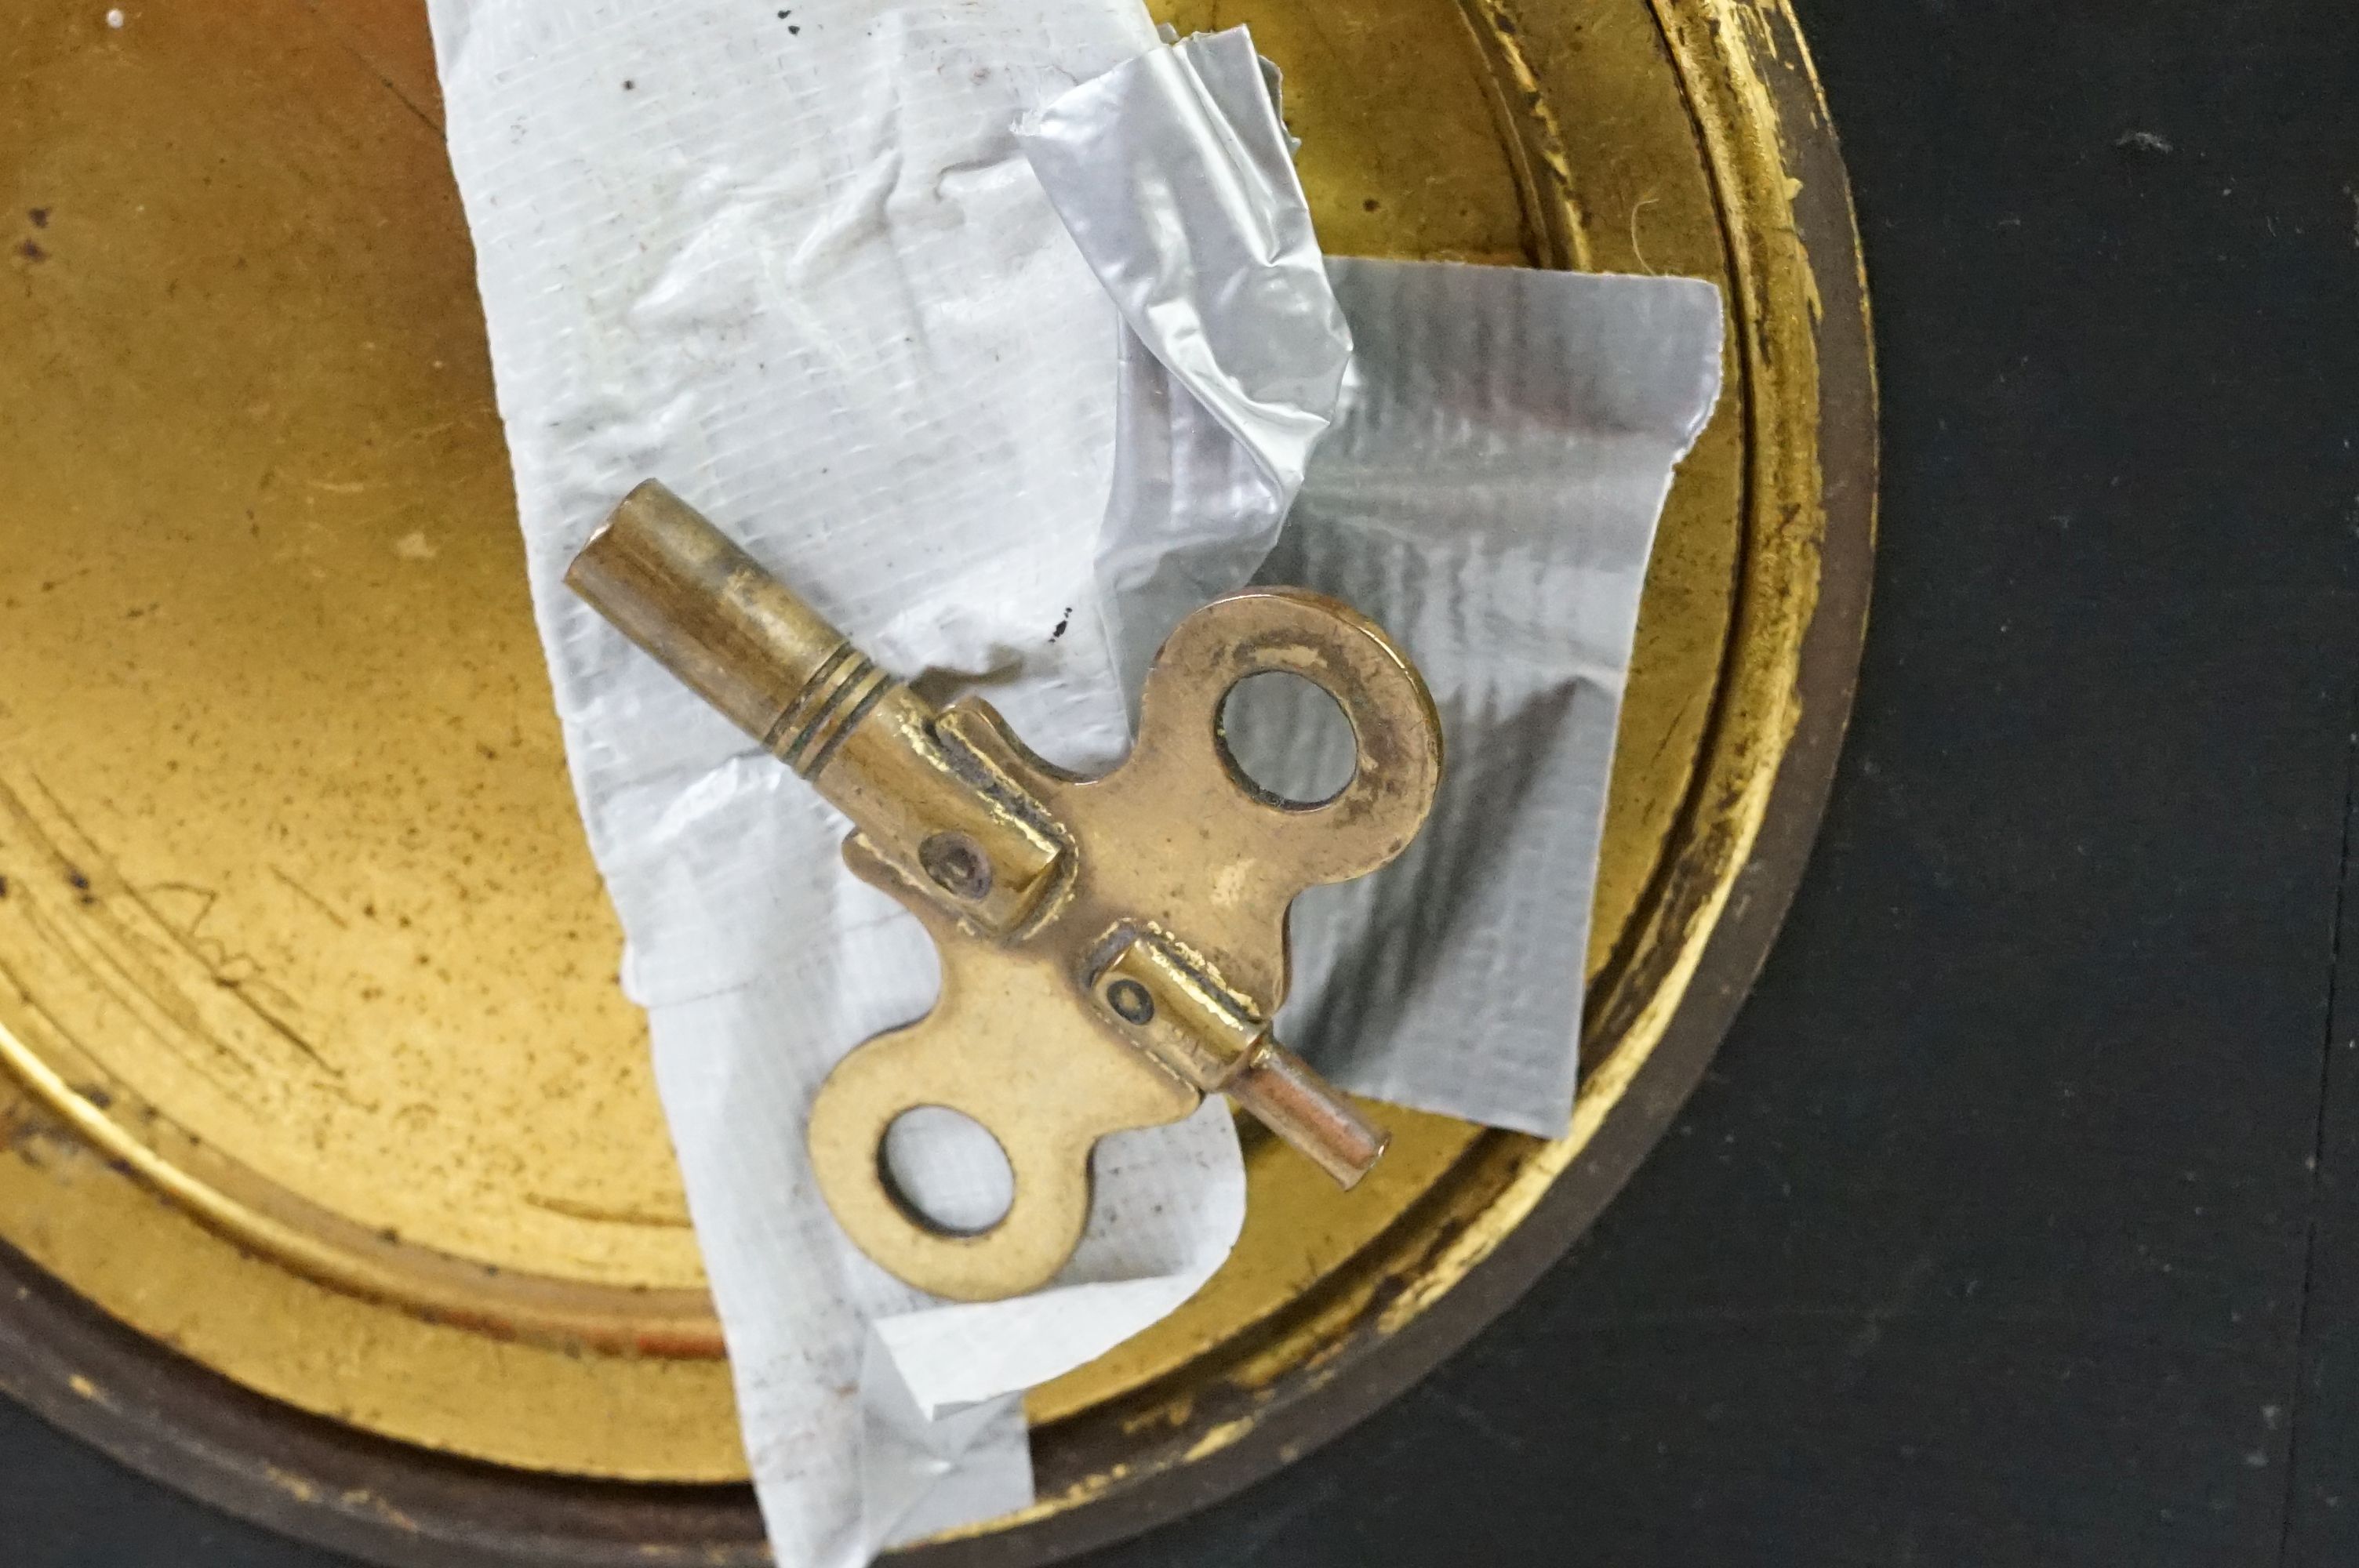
(1287,738)
(946,1171)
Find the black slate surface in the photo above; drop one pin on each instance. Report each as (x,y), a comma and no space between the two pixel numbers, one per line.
(2018,1220)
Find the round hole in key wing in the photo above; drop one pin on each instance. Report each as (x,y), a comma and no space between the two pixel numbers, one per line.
(945,1170)
(1287,740)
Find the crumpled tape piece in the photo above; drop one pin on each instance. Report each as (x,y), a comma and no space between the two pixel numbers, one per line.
(807,279)
(1176,177)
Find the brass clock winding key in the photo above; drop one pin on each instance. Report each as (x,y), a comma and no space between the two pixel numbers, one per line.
(1113,949)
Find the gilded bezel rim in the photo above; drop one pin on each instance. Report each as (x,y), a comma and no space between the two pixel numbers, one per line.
(1772,157)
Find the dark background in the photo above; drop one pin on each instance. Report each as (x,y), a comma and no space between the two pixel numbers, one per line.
(2017,1221)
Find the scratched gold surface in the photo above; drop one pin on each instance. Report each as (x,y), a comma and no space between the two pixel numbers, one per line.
(307,982)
